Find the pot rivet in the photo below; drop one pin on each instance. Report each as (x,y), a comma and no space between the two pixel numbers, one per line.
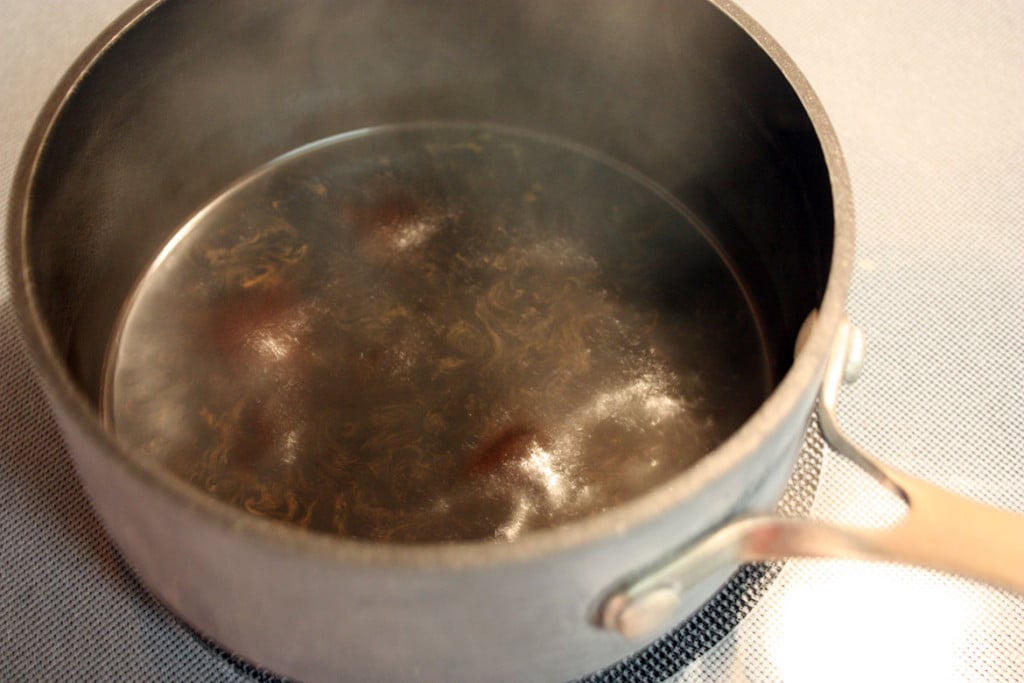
(644,615)
(854,354)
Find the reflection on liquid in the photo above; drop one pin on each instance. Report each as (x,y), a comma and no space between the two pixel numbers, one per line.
(539,466)
(273,343)
(432,334)
(640,404)
(512,528)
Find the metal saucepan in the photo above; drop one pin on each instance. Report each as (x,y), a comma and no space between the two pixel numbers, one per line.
(179,99)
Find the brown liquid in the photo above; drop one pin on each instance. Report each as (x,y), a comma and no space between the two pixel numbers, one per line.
(430,333)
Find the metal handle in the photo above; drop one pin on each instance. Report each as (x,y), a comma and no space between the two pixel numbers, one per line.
(940,530)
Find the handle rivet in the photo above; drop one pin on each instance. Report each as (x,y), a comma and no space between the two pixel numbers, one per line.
(646,614)
(854,354)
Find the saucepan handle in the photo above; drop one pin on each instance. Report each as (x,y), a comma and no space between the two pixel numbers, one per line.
(940,530)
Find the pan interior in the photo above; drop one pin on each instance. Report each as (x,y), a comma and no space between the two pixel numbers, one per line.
(431,332)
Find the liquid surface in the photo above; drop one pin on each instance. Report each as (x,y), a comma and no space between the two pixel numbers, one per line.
(433,333)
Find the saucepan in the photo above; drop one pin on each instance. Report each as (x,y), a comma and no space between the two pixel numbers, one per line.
(452,340)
